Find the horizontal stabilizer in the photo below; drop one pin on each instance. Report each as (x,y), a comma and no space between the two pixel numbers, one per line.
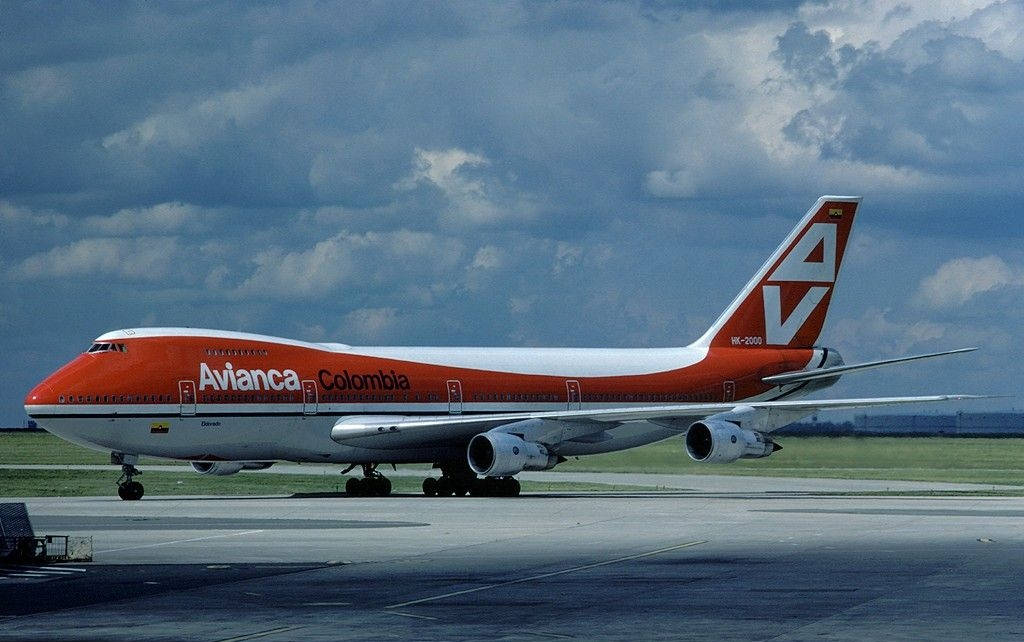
(825,373)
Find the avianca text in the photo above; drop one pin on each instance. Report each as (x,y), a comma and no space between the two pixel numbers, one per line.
(241,379)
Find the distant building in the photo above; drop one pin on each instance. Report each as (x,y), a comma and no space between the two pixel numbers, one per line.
(962,424)
(27,426)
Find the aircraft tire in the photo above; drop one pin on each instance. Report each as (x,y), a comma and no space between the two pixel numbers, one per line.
(130,491)
(445,487)
(354,487)
(430,487)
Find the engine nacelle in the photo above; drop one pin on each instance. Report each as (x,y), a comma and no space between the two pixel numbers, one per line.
(717,441)
(222,468)
(499,454)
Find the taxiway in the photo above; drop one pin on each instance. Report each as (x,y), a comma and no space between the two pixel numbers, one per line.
(771,560)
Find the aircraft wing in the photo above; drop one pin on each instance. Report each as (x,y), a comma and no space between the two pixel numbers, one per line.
(387,432)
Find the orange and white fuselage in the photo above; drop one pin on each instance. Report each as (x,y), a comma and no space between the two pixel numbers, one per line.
(207,395)
(212,395)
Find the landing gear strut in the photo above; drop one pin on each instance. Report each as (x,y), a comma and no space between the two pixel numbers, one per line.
(458,480)
(371,484)
(127,489)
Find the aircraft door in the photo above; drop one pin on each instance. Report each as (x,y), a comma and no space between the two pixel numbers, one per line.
(454,397)
(729,391)
(572,395)
(309,397)
(187,398)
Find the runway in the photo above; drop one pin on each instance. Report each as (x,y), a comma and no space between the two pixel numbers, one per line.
(773,562)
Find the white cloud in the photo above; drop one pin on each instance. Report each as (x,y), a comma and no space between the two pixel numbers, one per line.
(373,259)
(137,259)
(488,257)
(445,170)
(41,86)
(875,335)
(316,270)
(674,183)
(161,218)
(958,281)
(12,215)
(369,323)
(189,127)
(567,256)
(473,199)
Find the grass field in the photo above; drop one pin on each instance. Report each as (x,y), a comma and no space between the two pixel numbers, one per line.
(982,461)
(44,448)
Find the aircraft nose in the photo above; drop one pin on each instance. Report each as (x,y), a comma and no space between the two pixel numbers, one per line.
(42,394)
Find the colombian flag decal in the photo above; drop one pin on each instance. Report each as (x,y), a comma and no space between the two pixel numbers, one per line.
(159,427)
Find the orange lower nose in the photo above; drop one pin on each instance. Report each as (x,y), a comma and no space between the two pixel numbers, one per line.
(42,394)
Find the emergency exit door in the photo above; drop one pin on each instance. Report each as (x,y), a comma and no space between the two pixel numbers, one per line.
(309,397)
(572,395)
(187,398)
(729,391)
(454,396)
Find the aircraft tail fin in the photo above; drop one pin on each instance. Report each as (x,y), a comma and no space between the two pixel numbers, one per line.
(785,303)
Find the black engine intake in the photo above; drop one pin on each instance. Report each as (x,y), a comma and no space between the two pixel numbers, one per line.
(717,441)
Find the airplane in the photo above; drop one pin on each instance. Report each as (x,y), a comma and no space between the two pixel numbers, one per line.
(233,401)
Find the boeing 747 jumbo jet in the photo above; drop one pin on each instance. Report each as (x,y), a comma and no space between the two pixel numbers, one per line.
(231,401)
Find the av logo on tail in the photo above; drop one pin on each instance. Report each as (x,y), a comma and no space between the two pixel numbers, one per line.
(811,260)
(786,301)
(779,332)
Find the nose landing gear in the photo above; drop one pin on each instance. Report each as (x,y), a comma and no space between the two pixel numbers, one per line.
(128,489)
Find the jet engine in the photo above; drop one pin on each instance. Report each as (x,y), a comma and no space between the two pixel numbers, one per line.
(500,454)
(221,468)
(718,441)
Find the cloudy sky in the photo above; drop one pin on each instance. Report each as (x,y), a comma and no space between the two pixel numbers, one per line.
(509,174)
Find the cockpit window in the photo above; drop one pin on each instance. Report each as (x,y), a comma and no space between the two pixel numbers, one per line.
(107,347)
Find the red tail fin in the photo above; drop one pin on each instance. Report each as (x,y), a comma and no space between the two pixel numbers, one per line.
(784,305)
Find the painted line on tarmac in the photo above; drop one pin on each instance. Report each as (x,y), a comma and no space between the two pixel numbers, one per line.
(542,576)
(44,569)
(261,634)
(412,615)
(179,541)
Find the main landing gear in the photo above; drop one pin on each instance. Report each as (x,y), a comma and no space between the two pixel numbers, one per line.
(458,481)
(127,489)
(371,484)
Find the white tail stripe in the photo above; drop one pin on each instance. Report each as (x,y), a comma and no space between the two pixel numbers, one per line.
(779,332)
(795,267)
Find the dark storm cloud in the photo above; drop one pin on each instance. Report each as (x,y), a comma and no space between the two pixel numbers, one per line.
(806,55)
(933,100)
(497,173)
